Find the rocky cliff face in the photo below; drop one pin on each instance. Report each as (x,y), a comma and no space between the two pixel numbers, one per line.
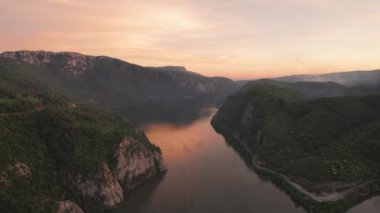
(134,164)
(71,62)
(100,186)
(133,167)
(19,169)
(106,187)
(115,83)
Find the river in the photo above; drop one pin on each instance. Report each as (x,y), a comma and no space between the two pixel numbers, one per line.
(206,175)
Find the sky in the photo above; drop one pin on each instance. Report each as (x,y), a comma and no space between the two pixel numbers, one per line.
(240,39)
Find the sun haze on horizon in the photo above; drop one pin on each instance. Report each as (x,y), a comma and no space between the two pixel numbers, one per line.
(237,39)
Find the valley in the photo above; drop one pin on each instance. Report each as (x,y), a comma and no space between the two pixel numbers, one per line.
(97,134)
(183,106)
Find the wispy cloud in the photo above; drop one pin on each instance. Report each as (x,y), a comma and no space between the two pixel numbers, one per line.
(245,38)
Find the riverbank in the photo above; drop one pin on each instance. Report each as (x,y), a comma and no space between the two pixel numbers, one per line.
(337,201)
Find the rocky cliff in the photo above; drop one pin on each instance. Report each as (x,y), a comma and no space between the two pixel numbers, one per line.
(71,62)
(114,83)
(56,157)
(134,164)
(104,188)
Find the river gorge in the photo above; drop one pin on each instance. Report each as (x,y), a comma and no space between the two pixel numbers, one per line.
(205,174)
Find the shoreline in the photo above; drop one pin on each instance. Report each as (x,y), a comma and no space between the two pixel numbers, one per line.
(328,197)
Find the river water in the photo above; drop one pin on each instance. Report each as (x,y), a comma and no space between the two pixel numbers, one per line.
(206,175)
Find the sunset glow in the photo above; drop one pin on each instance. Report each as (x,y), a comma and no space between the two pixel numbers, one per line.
(237,39)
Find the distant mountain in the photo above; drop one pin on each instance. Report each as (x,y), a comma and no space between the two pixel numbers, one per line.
(171,68)
(174,69)
(307,90)
(115,83)
(364,81)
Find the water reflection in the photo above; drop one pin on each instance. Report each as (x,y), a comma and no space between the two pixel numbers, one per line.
(138,198)
(181,113)
(204,175)
(371,205)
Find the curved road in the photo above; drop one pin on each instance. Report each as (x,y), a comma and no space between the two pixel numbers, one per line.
(330,197)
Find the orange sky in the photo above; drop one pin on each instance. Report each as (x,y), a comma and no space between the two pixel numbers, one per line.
(238,39)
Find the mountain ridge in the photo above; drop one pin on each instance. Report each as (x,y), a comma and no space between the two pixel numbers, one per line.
(324,144)
(115,83)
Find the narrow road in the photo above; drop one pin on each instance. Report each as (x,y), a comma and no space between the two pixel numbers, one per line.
(330,197)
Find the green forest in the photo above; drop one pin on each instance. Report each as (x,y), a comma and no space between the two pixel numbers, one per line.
(310,140)
(54,137)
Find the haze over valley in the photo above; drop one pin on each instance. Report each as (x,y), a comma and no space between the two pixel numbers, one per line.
(189,106)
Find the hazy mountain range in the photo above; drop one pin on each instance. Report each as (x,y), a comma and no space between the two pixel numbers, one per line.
(362,81)
(113,82)
(57,151)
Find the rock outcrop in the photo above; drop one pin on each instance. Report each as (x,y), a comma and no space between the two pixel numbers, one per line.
(134,164)
(100,186)
(68,206)
(21,169)
(115,83)
(75,63)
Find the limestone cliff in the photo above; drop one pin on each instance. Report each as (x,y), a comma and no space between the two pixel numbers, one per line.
(74,63)
(134,164)
(114,83)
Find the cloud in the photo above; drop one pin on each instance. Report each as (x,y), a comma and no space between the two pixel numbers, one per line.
(215,37)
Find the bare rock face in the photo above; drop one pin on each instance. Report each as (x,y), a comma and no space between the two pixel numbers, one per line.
(111,189)
(68,206)
(100,186)
(74,63)
(21,169)
(136,163)
(18,168)
(160,163)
